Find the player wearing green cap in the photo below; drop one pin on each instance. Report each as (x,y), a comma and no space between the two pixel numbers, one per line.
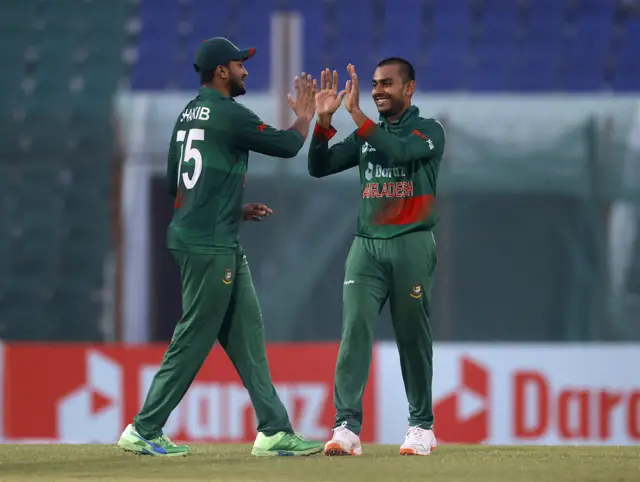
(207,164)
(393,256)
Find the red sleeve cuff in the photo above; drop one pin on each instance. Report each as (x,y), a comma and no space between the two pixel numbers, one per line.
(323,133)
(366,129)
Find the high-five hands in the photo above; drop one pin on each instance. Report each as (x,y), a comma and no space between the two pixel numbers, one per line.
(352,98)
(304,104)
(328,99)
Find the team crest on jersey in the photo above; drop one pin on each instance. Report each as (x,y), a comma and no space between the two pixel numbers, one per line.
(227,277)
(416,291)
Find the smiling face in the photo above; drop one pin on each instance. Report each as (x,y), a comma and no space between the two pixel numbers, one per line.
(236,78)
(232,77)
(391,90)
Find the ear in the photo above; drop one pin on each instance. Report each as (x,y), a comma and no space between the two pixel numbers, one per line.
(409,88)
(222,72)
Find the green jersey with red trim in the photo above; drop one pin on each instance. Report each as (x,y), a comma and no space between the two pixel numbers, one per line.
(207,166)
(399,163)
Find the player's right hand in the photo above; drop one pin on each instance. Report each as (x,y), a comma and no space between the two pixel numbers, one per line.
(328,99)
(304,104)
(255,212)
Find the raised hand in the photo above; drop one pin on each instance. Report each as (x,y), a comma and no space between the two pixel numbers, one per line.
(304,104)
(328,99)
(352,98)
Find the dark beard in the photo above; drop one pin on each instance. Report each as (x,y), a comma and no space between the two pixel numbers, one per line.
(236,87)
(396,106)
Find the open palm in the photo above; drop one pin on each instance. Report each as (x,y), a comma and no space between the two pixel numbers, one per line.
(328,99)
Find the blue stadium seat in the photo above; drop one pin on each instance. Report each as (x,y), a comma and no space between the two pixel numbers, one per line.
(492,67)
(446,66)
(593,31)
(536,67)
(632,31)
(404,28)
(155,65)
(500,23)
(546,20)
(159,16)
(207,22)
(451,24)
(433,35)
(355,30)
(628,51)
(314,30)
(582,78)
(450,5)
(627,78)
(533,80)
(598,7)
(626,81)
(157,44)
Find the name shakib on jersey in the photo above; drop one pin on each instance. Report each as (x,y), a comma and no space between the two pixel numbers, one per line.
(199,113)
(388,189)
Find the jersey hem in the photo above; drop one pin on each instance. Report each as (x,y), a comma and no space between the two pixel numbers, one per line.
(393,235)
(203,249)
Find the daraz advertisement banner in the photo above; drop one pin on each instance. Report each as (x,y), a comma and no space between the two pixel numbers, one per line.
(522,394)
(88,393)
(490,394)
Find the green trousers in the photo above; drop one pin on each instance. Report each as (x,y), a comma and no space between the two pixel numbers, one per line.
(400,270)
(219,303)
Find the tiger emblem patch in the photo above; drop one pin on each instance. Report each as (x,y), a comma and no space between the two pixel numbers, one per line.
(416,291)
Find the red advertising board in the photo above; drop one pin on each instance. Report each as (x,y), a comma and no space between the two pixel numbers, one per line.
(88,393)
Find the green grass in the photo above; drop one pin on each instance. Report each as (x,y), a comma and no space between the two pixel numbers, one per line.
(379,463)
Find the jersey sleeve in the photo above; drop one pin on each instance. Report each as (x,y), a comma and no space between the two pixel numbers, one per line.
(324,160)
(172,165)
(251,133)
(425,142)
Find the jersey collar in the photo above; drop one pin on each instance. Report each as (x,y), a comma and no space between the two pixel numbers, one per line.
(411,113)
(212,94)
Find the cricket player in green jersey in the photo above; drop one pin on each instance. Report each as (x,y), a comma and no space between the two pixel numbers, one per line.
(393,256)
(207,165)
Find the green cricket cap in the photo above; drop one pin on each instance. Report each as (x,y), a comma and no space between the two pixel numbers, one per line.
(219,51)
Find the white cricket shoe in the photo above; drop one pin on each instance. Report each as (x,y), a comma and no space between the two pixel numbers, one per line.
(418,442)
(343,442)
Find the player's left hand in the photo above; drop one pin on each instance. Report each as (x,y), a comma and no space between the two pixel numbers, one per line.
(304,103)
(352,98)
(255,212)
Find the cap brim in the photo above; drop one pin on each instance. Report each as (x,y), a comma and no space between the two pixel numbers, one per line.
(246,54)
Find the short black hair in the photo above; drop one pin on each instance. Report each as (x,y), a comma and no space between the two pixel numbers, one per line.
(206,76)
(407,72)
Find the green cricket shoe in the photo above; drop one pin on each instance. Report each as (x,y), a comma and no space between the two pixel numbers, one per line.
(284,444)
(132,441)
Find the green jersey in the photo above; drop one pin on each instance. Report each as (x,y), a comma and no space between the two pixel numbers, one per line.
(207,167)
(399,163)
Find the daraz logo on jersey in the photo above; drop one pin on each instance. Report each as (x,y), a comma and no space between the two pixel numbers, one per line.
(379,171)
(386,189)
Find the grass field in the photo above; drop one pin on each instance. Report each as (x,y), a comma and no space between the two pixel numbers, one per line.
(379,463)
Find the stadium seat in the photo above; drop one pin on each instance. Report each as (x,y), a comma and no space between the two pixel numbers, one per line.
(316,42)
(404,31)
(491,66)
(63,61)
